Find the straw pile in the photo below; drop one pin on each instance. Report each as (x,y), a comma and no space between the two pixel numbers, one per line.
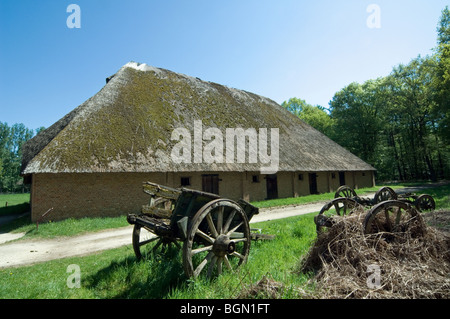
(350,264)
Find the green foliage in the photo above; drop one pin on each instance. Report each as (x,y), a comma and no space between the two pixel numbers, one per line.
(441,78)
(11,140)
(356,114)
(316,116)
(443,28)
(294,105)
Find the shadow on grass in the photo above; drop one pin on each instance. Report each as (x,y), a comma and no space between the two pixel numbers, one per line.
(10,224)
(151,278)
(14,209)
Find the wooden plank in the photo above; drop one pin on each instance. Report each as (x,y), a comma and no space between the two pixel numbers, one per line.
(161,191)
(156,212)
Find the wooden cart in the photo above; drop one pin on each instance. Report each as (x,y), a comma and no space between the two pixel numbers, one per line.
(214,231)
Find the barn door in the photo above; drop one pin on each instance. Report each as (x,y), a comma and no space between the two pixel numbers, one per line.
(210,183)
(272,186)
(342,178)
(313,183)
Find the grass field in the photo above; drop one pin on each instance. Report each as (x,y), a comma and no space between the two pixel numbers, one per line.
(14,203)
(116,273)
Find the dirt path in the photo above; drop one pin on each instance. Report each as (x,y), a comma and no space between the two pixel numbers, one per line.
(26,252)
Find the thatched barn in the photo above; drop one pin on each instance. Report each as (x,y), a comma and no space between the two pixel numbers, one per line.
(151,124)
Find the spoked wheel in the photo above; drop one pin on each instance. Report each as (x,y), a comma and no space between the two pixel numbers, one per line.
(339,206)
(345,191)
(218,238)
(145,242)
(384,194)
(389,216)
(425,202)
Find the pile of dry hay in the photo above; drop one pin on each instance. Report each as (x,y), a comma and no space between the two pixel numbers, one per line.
(351,264)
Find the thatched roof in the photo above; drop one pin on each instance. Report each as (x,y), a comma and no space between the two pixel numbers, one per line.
(127,127)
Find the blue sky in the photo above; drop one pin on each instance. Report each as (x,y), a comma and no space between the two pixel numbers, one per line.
(278,49)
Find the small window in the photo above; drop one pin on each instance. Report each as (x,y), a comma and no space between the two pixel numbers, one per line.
(185,181)
(333,175)
(363,174)
(300,177)
(255,178)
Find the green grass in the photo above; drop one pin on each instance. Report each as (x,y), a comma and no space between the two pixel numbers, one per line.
(14,203)
(116,273)
(441,196)
(67,227)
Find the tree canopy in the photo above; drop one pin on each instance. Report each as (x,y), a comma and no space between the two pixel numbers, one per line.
(11,140)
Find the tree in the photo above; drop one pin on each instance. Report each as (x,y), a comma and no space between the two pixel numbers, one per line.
(316,116)
(11,141)
(294,105)
(4,138)
(355,112)
(410,119)
(443,28)
(441,80)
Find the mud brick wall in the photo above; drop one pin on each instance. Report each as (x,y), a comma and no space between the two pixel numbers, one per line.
(88,195)
(113,194)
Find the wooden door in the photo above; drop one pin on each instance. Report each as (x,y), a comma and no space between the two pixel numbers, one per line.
(210,183)
(272,186)
(313,183)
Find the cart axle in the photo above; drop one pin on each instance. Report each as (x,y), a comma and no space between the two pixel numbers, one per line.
(223,245)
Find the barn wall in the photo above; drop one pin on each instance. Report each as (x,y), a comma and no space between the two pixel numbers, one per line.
(114,194)
(92,195)
(363,179)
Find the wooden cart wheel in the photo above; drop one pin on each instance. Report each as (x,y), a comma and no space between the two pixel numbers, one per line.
(218,237)
(384,194)
(345,191)
(145,242)
(342,206)
(389,216)
(425,202)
